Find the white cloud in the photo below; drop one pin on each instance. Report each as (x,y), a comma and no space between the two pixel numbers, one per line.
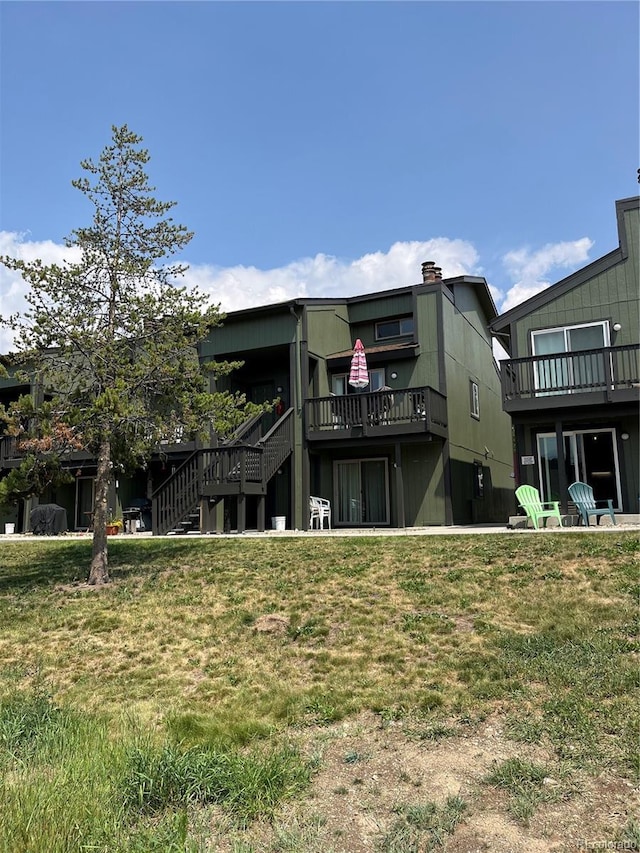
(13,288)
(323,275)
(245,287)
(326,276)
(529,268)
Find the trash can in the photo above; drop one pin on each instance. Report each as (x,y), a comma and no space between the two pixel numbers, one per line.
(279,522)
(132,517)
(9,529)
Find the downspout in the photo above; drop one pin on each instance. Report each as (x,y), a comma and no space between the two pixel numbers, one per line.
(299,496)
(296,373)
(397,465)
(37,395)
(442,382)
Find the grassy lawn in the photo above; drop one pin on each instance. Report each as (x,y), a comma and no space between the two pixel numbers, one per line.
(191,680)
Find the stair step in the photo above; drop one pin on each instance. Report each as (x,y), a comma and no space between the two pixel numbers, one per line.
(258,467)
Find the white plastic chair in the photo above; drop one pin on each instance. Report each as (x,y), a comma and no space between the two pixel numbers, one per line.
(319,509)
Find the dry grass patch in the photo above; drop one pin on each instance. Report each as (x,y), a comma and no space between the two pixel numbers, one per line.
(412,643)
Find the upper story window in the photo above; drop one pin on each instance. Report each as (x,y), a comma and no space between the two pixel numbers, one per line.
(400,328)
(571,364)
(340,382)
(474,399)
(570,338)
(376,379)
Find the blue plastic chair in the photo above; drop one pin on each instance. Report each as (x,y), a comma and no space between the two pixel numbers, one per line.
(582,496)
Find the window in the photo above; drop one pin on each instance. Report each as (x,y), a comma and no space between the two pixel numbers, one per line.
(340,382)
(400,328)
(376,379)
(474,398)
(583,369)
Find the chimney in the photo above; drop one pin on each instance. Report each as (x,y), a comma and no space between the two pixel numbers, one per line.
(428,268)
(430,272)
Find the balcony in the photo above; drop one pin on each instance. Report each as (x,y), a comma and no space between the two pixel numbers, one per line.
(12,454)
(383,413)
(584,378)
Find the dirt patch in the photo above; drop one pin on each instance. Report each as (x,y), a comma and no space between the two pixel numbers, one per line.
(272,623)
(369,771)
(463,624)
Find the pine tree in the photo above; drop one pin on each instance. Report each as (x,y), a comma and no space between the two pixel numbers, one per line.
(110,339)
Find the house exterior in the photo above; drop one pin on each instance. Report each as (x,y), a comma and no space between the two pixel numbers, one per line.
(426,443)
(572,382)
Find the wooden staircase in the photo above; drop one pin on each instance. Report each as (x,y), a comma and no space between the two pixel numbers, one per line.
(243,466)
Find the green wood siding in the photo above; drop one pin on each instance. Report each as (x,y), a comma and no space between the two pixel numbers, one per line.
(424,485)
(328,332)
(424,371)
(328,329)
(379,308)
(469,357)
(612,295)
(253,331)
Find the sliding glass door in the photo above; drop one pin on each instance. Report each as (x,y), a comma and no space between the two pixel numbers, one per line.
(85,491)
(572,364)
(362,492)
(589,456)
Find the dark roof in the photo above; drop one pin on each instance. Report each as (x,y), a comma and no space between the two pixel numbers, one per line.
(484,296)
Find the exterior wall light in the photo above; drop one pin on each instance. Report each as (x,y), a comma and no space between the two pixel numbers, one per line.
(279,389)
(394,375)
(617,327)
(625,436)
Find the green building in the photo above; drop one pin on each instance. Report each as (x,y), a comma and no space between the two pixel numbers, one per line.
(572,383)
(426,442)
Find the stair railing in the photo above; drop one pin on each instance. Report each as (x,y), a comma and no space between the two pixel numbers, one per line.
(237,462)
(249,431)
(277,444)
(178,495)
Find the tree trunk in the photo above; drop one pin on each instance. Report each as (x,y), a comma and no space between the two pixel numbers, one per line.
(99,571)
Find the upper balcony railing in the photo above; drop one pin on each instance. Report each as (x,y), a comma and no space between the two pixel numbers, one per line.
(607,373)
(388,411)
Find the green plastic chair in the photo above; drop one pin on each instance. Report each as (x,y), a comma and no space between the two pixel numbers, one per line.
(582,496)
(529,500)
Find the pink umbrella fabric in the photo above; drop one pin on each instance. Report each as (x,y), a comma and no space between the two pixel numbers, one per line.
(358,375)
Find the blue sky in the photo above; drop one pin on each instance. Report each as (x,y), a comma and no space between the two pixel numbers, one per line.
(328,148)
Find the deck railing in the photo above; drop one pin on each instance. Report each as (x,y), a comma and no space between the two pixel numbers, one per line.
(239,463)
(388,407)
(606,369)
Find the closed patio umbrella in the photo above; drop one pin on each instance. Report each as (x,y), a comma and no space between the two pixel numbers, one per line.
(358,374)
